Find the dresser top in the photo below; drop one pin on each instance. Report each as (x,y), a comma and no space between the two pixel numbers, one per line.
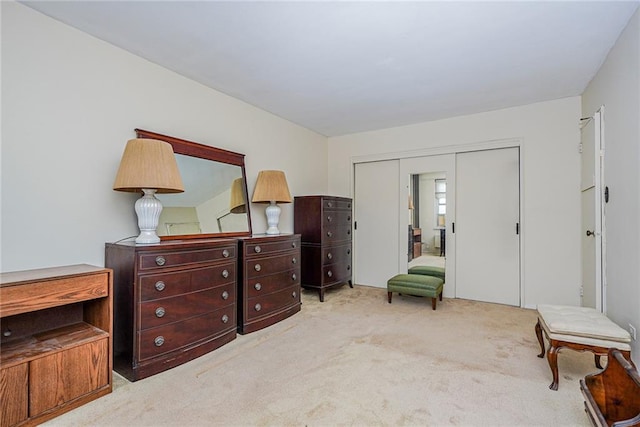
(175,244)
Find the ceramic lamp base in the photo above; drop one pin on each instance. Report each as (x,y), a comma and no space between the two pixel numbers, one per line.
(148,209)
(273,218)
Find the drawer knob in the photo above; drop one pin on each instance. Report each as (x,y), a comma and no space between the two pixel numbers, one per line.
(329,233)
(225,273)
(348,267)
(225,318)
(160,312)
(258,286)
(294,260)
(7,333)
(258,249)
(159,341)
(160,286)
(329,218)
(349,218)
(330,255)
(225,253)
(329,204)
(330,273)
(160,260)
(348,231)
(348,251)
(257,267)
(225,295)
(294,245)
(294,276)
(258,307)
(294,294)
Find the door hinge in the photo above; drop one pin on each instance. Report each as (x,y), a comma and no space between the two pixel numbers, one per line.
(580,148)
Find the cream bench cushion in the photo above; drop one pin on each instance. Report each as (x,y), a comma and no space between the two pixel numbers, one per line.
(582,325)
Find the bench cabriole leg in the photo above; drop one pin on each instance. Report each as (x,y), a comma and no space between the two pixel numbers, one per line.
(540,339)
(552,358)
(597,359)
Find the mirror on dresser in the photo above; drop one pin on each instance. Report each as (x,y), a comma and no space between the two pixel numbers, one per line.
(214,203)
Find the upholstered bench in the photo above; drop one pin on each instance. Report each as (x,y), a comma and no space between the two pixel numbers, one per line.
(428,270)
(578,328)
(416,284)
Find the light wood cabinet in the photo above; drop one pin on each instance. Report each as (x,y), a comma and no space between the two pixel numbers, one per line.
(56,341)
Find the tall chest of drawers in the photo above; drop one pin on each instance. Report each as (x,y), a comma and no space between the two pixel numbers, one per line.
(269,280)
(174,301)
(324,223)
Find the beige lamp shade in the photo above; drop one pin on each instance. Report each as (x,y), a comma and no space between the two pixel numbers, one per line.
(237,205)
(148,163)
(271,186)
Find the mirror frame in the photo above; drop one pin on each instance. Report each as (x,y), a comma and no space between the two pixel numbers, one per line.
(207,152)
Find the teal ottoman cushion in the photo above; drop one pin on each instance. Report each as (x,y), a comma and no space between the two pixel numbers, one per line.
(428,270)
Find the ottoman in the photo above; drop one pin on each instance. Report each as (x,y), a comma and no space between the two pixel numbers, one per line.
(428,270)
(578,328)
(416,284)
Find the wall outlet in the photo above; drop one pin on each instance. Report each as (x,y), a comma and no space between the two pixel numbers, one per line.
(632,331)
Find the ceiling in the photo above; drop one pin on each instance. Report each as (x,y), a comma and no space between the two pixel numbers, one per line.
(340,67)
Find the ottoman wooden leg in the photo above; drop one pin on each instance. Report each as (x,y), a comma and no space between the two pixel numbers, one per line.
(440,296)
(433,302)
(389,294)
(540,339)
(552,357)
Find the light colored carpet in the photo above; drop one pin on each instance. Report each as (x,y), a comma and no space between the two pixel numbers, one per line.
(357,360)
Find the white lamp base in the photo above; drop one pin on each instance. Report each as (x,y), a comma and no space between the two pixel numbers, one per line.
(148,209)
(273,218)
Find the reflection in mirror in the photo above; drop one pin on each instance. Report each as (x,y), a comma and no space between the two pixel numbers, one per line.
(427,235)
(214,203)
(204,208)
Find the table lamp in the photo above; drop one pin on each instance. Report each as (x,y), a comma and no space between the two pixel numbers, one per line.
(271,187)
(148,165)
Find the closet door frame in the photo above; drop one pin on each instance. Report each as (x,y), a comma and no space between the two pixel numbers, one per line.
(454,149)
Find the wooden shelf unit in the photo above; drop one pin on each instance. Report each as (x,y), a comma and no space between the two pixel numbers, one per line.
(55,343)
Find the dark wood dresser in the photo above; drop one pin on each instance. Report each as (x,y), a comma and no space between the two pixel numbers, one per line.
(174,301)
(324,223)
(269,280)
(55,346)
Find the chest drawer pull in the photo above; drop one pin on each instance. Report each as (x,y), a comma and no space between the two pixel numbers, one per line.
(348,267)
(294,294)
(348,232)
(225,273)
(330,273)
(294,245)
(349,218)
(329,255)
(257,267)
(160,286)
(225,295)
(160,260)
(225,318)
(159,341)
(258,286)
(329,218)
(257,249)
(329,204)
(329,233)
(257,307)
(294,276)
(294,261)
(348,251)
(225,253)
(160,312)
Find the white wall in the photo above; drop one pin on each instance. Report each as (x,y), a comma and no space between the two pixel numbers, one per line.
(617,87)
(551,169)
(70,103)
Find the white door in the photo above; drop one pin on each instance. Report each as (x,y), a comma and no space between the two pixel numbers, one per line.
(590,187)
(375,205)
(487,226)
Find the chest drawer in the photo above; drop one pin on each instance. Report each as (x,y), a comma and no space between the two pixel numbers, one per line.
(267,248)
(267,284)
(336,203)
(178,258)
(163,285)
(336,254)
(264,266)
(336,273)
(265,305)
(336,218)
(163,339)
(168,310)
(335,233)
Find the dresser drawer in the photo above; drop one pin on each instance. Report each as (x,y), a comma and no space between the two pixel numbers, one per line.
(265,305)
(150,261)
(331,203)
(335,233)
(163,285)
(163,339)
(336,254)
(267,284)
(262,249)
(265,266)
(336,218)
(168,310)
(336,273)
